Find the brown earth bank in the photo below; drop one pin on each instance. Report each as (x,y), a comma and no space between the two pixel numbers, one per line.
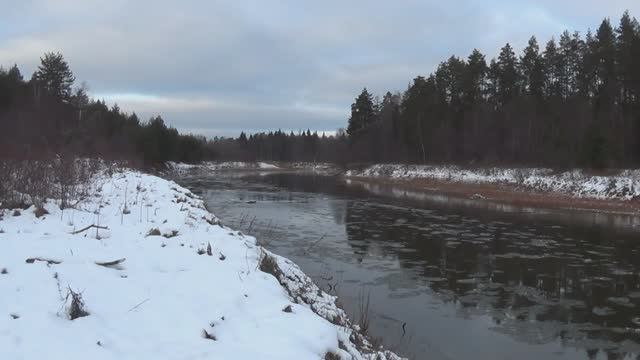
(509,194)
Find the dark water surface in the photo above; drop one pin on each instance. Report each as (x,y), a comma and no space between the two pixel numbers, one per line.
(469,279)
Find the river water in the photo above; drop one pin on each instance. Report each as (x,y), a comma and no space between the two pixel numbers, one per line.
(449,278)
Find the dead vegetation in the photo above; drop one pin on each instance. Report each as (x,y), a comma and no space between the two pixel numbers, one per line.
(208,336)
(288,309)
(154,232)
(364,315)
(331,356)
(76,308)
(63,177)
(40,212)
(269,265)
(97,227)
(48,261)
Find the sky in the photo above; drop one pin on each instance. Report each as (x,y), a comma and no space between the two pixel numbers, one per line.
(216,67)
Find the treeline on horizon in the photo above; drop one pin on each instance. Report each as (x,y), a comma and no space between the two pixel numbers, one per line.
(574,101)
(46,117)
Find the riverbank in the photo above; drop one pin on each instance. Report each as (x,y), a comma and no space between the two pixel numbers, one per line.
(615,192)
(140,269)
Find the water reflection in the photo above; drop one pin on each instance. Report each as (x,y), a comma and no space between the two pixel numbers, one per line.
(537,284)
(556,283)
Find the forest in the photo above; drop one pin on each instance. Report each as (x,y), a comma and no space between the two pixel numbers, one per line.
(572,101)
(46,117)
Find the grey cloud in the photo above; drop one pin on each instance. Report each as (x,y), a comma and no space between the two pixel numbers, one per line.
(230,65)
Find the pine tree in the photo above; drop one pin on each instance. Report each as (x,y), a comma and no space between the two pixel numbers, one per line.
(552,67)
(605,59)
(627,36)
(508,76)
(362,114)
(475,73)
(55,76)
(532,65)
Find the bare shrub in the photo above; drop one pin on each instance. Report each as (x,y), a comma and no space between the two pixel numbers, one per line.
(364,315)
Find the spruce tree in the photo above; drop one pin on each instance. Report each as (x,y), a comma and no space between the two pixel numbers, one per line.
(55,76)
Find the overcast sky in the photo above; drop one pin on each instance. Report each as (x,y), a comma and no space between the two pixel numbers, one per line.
(219,67)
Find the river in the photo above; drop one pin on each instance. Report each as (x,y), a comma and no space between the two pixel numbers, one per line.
(448,278)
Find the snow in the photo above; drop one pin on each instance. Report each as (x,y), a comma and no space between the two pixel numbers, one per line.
(157,303)
(264,165)
(625,185)
(216,166)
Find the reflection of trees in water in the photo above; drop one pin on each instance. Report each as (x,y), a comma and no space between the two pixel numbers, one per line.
(577,284)
(338,211)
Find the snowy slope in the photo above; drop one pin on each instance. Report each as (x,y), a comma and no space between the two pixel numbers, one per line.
(169,299)
(623,186)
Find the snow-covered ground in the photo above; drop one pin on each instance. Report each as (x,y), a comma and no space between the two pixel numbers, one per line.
(209,166)
(160,278)
(225,165)
(625,185)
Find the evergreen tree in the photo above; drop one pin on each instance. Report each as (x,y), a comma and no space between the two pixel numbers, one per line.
(55,76)
(627,37)
(553,70)
(362,114)
(473,82)
(532,65)
(508,76)
(605,59)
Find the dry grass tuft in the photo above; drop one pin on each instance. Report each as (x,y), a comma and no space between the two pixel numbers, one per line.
(40,211)
(154,232)
(209,251)
(269,265)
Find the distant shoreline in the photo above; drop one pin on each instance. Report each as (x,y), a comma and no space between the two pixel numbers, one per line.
(576,190)
(508,194)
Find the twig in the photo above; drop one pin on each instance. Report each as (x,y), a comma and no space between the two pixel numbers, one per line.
(89,227)
(140,303)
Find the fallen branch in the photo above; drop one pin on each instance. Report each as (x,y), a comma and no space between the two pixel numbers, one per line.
(89,227)
(48,261)
(111,263)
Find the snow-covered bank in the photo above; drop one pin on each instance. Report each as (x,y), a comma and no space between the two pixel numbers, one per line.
(160,278)
(224,165)
(625,185)
(210,166)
